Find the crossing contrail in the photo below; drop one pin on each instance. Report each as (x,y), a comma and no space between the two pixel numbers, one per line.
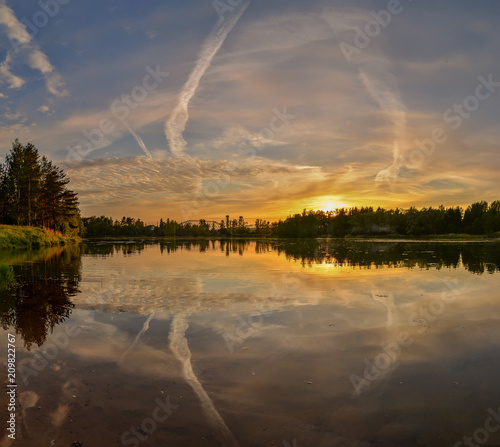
(176,123)
(139,140)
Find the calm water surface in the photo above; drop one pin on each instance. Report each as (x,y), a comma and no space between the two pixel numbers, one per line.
(285,343)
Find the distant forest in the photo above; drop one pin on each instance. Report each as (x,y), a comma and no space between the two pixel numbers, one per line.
(480,218)
(34,192)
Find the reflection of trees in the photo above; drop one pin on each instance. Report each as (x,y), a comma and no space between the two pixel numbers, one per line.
(39,298)
(236,246)
(477,257)
(104,249)
(480,257)
(35,296)
(6,276)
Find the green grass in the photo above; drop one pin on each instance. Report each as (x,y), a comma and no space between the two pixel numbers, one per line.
(31,237)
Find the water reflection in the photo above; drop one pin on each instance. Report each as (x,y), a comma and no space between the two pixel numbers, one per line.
(274,329)
(476,257)
(36,287)
(36,296)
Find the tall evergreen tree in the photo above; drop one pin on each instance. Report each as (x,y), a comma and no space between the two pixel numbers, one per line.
(34,192)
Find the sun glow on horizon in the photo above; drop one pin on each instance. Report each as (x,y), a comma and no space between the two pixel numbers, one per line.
(328,205)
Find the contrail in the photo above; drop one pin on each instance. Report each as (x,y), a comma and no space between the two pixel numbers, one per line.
(180,347)
(138,139)
(176,123)
(380,84)
(389,99)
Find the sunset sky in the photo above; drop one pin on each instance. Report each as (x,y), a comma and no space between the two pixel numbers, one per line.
(197,109)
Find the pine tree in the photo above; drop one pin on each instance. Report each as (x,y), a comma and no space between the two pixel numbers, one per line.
(34,192)
(14,180)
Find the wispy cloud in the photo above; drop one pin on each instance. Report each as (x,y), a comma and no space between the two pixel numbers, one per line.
(36,59)
(7,76)
(44,109)
(176,124)
(356,123)
(106,183)
(15,29)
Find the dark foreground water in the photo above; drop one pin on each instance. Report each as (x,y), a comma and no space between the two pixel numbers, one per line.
(286,343)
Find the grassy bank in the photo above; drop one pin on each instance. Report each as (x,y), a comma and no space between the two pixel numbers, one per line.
(31,237)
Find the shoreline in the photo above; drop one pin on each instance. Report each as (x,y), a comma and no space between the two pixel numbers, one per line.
(24,237)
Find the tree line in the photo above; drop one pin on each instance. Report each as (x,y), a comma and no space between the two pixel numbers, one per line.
(97,226)
(34,192)
(480,218)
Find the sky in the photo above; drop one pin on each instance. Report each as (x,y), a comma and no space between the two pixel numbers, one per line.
(197,109)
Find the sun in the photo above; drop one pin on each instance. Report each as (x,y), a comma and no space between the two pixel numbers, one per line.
(323,203)
(328,205)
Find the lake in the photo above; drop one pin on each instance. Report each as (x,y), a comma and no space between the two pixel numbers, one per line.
(254,343)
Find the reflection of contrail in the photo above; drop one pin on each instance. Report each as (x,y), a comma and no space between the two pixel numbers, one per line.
(139,140)
(387,299)
(176,123)
(145,327)
(180,347)
(388,96)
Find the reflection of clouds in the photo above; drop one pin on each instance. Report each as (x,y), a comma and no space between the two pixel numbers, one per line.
(296,342)
(196,288)
(205,290)
(58,416)
(188,292)
(28,399)
(147,296)
(322,322)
